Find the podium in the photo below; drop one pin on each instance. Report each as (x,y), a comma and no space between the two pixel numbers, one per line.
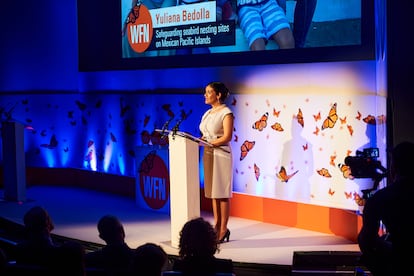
(183,154)
(184,181)
(14,168)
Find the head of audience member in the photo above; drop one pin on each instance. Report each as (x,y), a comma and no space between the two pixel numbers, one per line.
(111,230)
(402,161)
(198,239)
(37,222)
(149,259)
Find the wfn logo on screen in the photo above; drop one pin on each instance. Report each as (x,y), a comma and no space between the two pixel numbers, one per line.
(154,182)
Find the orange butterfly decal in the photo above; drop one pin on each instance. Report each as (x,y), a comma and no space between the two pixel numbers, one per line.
(256,171)
(305,146)
(343,120)
(283,176)
(358,117)
(381,119)
(370,120)
(275,112)
(350,129)
(346,171)
(358,199)
(277,127)
(331,192)
(332,162)
(324,172)
(348,195)
(245,148)
(261,123)
(234,102)
(317,117)
(316,132)
(299,117)
(330,121)
(133,15)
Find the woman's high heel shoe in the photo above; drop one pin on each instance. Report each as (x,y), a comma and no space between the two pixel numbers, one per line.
(226,237)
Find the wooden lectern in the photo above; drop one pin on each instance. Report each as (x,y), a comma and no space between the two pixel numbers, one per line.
(184,181)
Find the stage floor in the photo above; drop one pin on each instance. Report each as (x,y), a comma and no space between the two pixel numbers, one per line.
(75,213)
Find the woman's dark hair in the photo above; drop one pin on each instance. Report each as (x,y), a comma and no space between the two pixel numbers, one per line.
(198,238)
(220,87)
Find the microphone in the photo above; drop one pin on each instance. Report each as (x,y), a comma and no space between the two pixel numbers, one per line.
(177,125)
(165,127)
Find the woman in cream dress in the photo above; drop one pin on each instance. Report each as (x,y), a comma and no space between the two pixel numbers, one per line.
(216,127)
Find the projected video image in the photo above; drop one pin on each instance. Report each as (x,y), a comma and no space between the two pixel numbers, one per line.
(183,27)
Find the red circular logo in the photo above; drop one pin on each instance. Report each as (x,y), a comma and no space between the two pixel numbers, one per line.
(154,181)
(139,28)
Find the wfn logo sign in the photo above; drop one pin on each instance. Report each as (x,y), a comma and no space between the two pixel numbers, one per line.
(154,181)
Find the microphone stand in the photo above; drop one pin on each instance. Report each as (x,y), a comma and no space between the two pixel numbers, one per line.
(165,127)
(175,128)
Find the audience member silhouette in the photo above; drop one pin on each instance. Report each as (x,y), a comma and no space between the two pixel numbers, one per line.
(114,258)
(197,247)
(149,259)
(388,253)
(37,247)
(37,254)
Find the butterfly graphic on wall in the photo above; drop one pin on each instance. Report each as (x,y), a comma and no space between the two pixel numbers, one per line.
(372,120)
(332,162)
(346,171)
(283,176)
(331,119)
(261,123)
(145,137)
(276,112)
(52,144)
(148,162)
(256,171)
(299,117)
(113,138)
(360,201)
(324,172)
(317,117)
(245,148)
(80,105)
(350,129)
(133,15)
(277,127)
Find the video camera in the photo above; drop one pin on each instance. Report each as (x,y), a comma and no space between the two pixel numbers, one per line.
(366,165)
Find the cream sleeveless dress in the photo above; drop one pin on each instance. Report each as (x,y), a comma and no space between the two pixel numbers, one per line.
(218,164)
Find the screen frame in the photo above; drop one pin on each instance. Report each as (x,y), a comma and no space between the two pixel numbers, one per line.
(99,23)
